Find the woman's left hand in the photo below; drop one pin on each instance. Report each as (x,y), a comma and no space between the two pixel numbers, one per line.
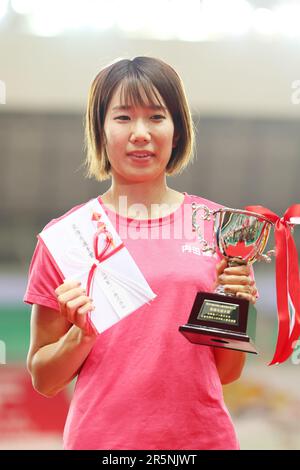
(237,280)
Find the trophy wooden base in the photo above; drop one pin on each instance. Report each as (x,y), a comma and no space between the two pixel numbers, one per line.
(222,321)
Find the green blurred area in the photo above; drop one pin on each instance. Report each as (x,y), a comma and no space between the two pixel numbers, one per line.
(15,331)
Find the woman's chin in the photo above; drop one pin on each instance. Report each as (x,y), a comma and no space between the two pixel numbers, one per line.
(144,175)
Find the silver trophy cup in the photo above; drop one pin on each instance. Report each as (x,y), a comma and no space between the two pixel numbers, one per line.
(219,319)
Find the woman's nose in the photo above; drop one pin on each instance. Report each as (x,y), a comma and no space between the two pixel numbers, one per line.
(140,132)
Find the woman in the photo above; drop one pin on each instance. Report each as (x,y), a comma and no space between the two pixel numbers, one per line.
(141,384)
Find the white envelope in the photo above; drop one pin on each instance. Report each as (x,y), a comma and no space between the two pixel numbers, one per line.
(119,287)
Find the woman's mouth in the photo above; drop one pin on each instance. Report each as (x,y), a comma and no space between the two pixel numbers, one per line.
(141,156)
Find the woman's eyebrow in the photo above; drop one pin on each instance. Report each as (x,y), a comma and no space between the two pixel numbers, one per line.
(155,107)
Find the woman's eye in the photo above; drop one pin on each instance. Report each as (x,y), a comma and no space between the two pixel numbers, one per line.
(158,116)
(155,117)
(123,118)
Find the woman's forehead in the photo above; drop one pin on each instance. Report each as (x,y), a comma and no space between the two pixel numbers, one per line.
(127,95)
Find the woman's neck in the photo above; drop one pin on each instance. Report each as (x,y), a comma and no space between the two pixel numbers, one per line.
(142,200)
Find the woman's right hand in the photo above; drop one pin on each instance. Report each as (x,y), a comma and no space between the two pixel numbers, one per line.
(74,305)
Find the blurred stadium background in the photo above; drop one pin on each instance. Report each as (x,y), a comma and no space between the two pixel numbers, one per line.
(240,64)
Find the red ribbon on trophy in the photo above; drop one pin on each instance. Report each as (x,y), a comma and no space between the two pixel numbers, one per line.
(287,279)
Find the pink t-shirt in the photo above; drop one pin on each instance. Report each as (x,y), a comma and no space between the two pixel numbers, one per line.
(144,385)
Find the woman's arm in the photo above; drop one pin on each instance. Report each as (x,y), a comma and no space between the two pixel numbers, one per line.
(59,345)
(229,363)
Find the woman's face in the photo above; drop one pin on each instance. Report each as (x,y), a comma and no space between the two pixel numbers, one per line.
(139,140)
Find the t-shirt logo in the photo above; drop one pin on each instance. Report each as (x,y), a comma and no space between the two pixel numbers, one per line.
(196,250)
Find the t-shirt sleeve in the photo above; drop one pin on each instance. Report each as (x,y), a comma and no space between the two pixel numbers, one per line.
(43,279)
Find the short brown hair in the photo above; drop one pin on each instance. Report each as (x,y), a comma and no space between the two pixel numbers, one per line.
(151,75)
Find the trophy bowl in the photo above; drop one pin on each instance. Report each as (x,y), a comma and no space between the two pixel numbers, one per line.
(241,234)
(217,318)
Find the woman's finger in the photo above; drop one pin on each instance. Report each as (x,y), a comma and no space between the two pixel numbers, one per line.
(245,295)
(80,316)
(234,289)
(237,280)
(66,298)
(80,320)
(73,305)
(85,308)
(70,295)
(243,270)
(221,266)
(66,286)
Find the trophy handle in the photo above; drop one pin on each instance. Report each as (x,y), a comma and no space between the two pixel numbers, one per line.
(207,214)
(267,257)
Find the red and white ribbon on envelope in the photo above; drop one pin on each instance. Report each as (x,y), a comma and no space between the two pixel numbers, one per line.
(85,246)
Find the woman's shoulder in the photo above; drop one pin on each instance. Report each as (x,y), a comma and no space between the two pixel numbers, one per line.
(201,200)
(57,219)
